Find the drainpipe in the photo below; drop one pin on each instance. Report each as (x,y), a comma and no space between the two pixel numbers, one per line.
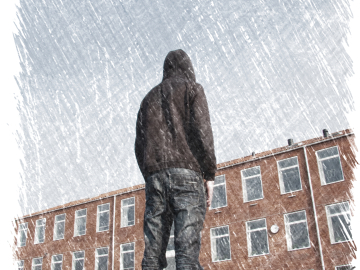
(113,234)
(314,209)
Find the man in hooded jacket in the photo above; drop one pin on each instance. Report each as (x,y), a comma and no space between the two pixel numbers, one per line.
(174,149)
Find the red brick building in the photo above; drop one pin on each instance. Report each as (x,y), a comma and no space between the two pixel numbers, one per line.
(287,208)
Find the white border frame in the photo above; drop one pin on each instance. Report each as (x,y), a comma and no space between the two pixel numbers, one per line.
(281,182)
(121,254)
(73,259)
(53,263)
(18,236)
(330,227)
(75,235)
(55,226)
(96,256)
(36,241)
(97,217)
(249,238)
(244,185)
(287,225)
(214,237)
(321,172)
(121,217)
(222,184)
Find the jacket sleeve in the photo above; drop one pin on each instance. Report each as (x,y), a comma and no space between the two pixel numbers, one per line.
(139,141)
(201,136)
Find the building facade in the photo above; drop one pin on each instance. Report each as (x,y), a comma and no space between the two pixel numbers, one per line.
(287,208)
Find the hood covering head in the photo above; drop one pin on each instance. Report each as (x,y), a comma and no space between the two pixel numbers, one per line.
(178,64)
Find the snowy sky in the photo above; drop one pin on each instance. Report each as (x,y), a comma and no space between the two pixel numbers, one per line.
(271,71)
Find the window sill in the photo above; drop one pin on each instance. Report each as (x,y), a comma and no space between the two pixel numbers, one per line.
(326,184)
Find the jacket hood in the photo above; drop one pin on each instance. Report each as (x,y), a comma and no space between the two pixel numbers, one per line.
(178,64)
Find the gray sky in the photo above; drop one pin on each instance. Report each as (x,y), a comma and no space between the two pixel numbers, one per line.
(271,71)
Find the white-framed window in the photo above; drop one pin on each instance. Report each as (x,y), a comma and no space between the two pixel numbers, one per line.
(20,265)
(103,214)
(128,212)
(339,222)
(170,250)
(329,165)
(257,237)
(296,227)
(220,244)
(252,185)
(40,231)
(344,267)
(22,234)
(78,260)
(80,222)
(219,194)
(36,264)
(101,258)
(127,256)
(289,175)
(56,262)
(59,227)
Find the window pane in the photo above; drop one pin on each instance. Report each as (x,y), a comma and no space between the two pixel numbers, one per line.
(345,267)
(103,207)
(104,221)
(60,217)
(253,188)
(220,231)
(57,266)
(102,251)
(102,263)
(79,254)
(332,170)
(259,244)
(57,258)
(128,259)
(40,222)
(129,201)
(288,162)
(341,228)
(80,226)
(59,230)
(291,179)
(222,248)
(81,212)
(127,247)
(299,235)
(38,267)
(22,240)
(79,264)
(328,152)
(256,224)
(219,179)
(40,233)
(23,226)
(37,261)
(131,215)
(219,197)
(251,172)
(298,216)
(338,208)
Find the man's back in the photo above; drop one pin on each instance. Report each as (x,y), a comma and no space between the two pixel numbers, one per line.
(173,127)
(175,151)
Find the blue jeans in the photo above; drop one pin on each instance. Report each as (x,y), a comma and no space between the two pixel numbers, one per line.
(178,195)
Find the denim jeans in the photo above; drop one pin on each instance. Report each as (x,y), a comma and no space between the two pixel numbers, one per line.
(178,195)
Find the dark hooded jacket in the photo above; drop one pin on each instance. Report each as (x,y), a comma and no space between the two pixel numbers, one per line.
(173,127)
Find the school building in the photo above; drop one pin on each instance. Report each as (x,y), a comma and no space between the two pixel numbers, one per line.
(286,208)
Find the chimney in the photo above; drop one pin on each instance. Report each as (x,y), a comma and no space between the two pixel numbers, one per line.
(253,154)
(290,142)
(326,133)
